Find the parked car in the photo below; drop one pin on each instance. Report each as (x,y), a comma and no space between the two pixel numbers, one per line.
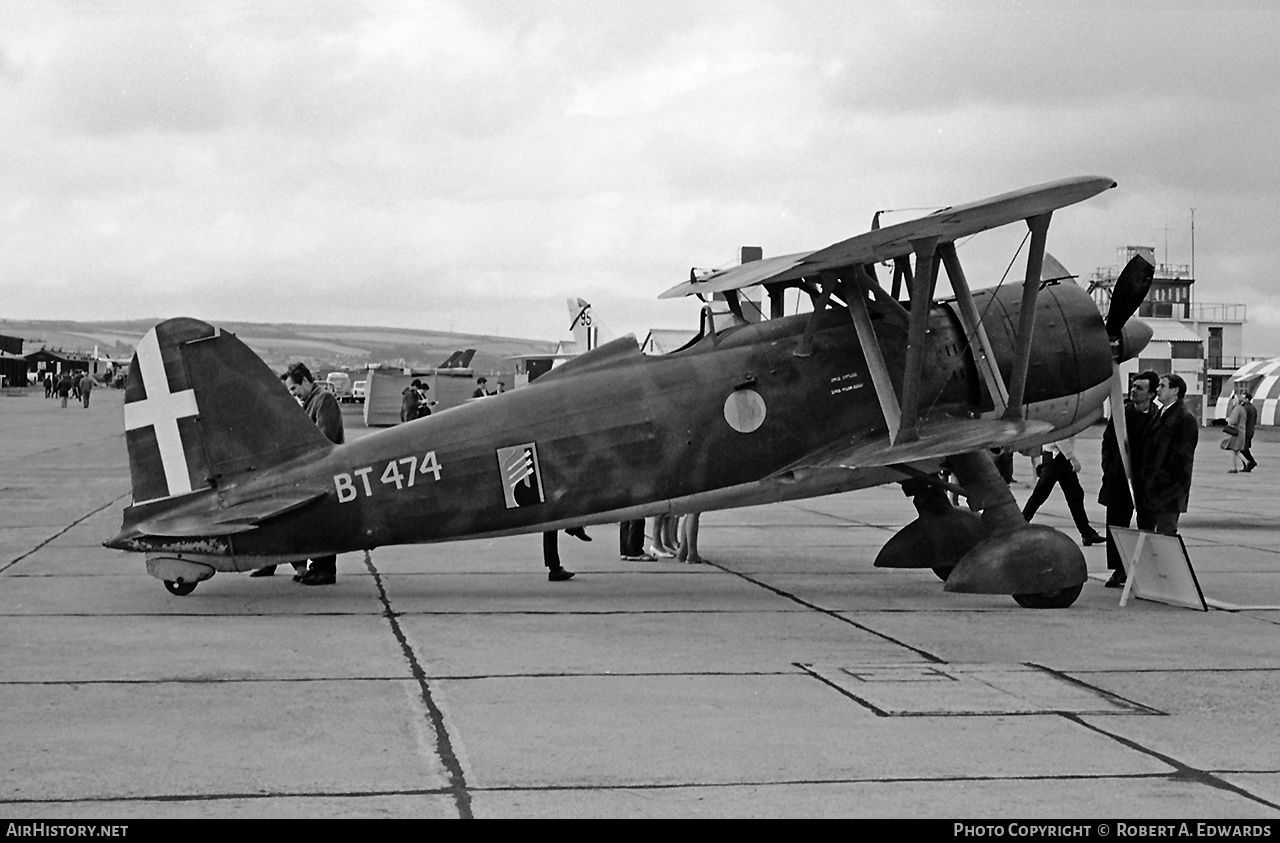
(339,383)
(358,391)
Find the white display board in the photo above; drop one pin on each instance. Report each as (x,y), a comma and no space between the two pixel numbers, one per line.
(1158,568)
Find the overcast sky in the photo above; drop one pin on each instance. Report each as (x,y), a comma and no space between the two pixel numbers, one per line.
(468,165)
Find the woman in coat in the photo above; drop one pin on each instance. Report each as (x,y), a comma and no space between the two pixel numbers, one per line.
(1235,441)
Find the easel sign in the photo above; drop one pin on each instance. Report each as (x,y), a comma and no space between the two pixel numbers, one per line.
(1158,569)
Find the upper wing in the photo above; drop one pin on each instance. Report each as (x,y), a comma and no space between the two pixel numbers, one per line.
(947,225)
(938,438)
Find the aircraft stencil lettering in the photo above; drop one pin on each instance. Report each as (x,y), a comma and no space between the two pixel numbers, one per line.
(750,412)
(403,473)
(846,383)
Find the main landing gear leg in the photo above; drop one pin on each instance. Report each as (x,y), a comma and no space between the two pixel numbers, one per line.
(1041,567)
(937,539)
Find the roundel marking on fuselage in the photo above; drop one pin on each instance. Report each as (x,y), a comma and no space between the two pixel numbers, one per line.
(744,410)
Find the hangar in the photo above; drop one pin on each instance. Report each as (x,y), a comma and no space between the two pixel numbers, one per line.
(46,360)
(13,369)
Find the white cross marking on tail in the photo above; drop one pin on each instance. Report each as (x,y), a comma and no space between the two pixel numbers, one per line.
(161,410)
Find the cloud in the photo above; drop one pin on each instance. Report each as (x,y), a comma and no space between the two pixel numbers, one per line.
(394,164)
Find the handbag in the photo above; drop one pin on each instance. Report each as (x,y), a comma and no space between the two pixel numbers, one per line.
(1231,430)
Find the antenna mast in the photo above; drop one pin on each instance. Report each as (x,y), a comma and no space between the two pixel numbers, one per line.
(1192,286)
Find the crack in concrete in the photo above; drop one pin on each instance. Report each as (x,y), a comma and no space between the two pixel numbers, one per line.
(444,746)
(63,531)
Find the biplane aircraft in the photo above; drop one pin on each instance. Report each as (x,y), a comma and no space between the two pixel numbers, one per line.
(229,475)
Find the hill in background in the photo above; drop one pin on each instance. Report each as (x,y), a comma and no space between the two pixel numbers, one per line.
(324,348)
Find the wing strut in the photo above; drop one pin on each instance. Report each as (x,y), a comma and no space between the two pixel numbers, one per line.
(1039,226)
(804,349)
(777,300)
(871,351)
(922,285)
(975,332)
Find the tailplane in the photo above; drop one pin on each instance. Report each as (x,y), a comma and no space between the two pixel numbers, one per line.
(199,406)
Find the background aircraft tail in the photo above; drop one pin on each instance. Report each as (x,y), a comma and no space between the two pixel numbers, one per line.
(586,331)
(458,360)
(199,405)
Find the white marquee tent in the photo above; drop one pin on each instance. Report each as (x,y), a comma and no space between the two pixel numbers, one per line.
(1262,378)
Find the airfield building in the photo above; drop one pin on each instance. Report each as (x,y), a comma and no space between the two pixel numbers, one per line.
(47,360)
(1202,342)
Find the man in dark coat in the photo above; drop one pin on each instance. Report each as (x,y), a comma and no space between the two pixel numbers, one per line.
(1250,422)
(323,410)
(63,387)
(1114,493)
(1167,458)
(413,402)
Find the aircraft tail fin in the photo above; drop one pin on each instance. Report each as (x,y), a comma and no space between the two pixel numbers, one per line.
(455,360)
(199,405)
(458,360)
(586,331)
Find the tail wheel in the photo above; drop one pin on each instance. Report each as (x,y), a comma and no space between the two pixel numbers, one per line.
(1060,599)
(179,589)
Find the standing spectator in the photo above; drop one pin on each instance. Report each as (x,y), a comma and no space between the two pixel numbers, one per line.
(671,532)
(424,404)
(659,531)
(1250,422)
(551,553)
(322,408)
(86,386)
(1059,467)
(1114,493)
(688,530)
(1168,459)
(631,542)
(1234,443)
(413,402)
(48,384)
(64,387)
(480,382)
